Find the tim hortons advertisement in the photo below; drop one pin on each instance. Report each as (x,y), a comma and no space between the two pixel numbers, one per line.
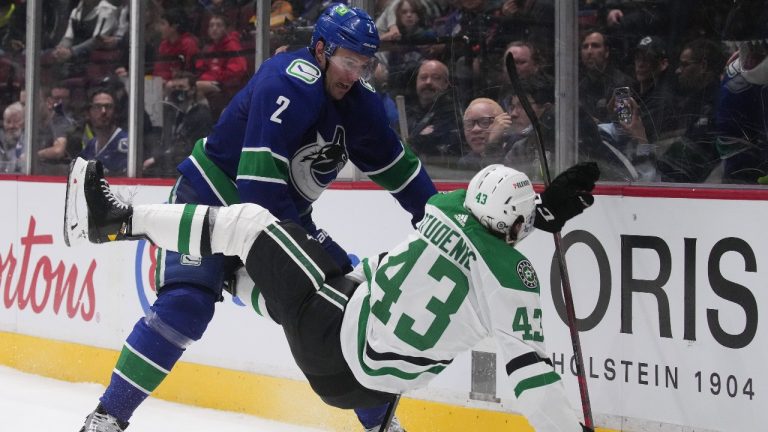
(667,295)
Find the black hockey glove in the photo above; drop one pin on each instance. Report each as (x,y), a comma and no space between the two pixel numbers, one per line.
(567,196)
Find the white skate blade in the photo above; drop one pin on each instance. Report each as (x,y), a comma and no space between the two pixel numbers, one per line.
(75,206)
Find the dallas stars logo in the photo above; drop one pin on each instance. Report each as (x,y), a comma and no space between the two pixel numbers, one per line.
(527,274)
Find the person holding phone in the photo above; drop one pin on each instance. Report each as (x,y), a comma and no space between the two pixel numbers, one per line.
(598,77)
(652,91)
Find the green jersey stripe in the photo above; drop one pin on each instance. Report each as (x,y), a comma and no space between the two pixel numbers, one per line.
(310,268)
(160,268)
(536,381)
(185,227)
(406,166)
(255,300)
(224,188)
(261,163)
(334,296)
(331,300)
(139,369)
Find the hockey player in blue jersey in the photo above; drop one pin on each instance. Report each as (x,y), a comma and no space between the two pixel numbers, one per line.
(279,143)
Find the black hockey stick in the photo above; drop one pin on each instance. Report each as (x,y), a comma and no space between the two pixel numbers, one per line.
(390,414)
(567,293)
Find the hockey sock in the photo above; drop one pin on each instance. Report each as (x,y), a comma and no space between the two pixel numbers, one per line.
(200,230)
(155,345)
(371,417)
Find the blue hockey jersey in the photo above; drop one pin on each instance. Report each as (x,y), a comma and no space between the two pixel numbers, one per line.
(742,126)
(281,141)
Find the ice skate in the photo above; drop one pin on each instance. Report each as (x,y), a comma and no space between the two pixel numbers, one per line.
(394,426)
(92,211)
(100,421)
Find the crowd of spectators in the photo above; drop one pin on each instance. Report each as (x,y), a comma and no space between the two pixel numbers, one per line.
(445,58)
(670,57)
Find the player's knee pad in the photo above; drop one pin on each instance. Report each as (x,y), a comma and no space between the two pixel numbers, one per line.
(182,311)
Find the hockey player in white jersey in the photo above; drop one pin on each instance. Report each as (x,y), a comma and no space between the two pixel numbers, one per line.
(400,318)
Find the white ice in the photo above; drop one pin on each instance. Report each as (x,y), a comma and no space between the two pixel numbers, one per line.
(32,403)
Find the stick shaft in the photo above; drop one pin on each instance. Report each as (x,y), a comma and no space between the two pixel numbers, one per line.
(390,414)
(567,293)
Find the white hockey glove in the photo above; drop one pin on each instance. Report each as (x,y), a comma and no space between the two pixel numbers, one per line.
(567,196)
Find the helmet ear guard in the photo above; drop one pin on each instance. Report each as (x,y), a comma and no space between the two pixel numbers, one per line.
(503,201)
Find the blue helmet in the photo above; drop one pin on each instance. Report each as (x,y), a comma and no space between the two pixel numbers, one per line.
(346,27)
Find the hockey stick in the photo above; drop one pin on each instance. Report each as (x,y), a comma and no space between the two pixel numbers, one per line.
(567,293)
(389,414)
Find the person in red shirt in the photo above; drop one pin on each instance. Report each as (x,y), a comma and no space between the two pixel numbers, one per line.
(177,49)
(221,64)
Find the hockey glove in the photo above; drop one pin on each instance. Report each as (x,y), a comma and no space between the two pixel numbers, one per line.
(567,196)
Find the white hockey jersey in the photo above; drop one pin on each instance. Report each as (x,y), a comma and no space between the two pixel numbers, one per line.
(448,286)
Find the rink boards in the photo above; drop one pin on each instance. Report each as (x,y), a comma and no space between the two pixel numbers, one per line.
(668,291)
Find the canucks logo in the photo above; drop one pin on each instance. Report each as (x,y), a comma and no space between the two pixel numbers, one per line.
(316,165)
(527,274)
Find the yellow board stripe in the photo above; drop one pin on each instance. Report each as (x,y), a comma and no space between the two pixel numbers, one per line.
(224,389)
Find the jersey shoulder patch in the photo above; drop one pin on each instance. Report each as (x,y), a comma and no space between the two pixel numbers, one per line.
(304,71)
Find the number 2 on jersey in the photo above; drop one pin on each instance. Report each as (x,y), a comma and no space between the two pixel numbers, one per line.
(442,310)
(282,103)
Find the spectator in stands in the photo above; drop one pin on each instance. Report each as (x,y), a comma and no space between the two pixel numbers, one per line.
(693,156)
(11,138)
(177,49)
(381,83)
(227,8)
(57,138)
(110,142)
(528,59)
(528,62)
(387,21)
(221,65)
(653,90)
(432,128)
(471,29)
(60,98)
(525,20)
(597,76)
(185,120)
(628,21)
(13,27)
(410,22)
(479,120)
(513,124)
(523,154)
(410,30)
(89,20)
(109,54)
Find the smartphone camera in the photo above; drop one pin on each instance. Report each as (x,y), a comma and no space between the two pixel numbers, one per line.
(621,97)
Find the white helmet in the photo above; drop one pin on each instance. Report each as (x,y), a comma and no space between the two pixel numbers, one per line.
(498,196)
